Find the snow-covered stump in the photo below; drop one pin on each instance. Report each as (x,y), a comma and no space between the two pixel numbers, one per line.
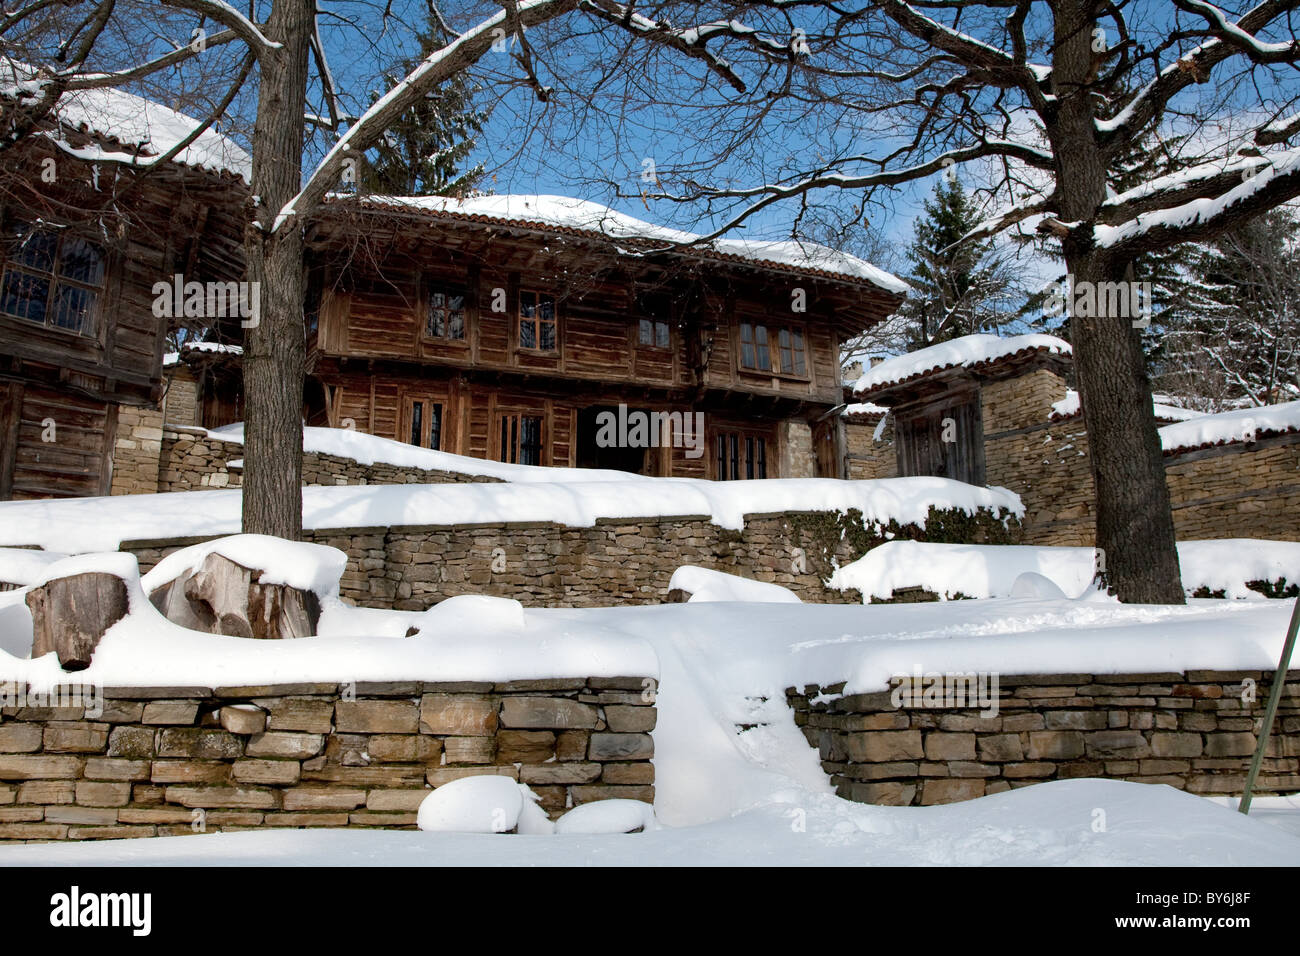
(71,614)
(251,586)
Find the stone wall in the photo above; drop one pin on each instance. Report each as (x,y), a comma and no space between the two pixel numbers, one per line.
(798,460)
(617,561)
(166,761)
(1242,490)
(192,460)
(865,456)
(136,449)
(1189,730)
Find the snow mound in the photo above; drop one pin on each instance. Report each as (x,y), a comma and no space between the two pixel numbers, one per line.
(469,614)
(297,564)
(968,350)
(1036,586)
(703,584)
(1243,424)
(484,803)
(985,571)
(608,816)
(533,820)
(23,566)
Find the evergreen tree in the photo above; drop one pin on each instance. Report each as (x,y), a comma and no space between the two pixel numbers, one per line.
(1236,338)
(423,154)
(960,287)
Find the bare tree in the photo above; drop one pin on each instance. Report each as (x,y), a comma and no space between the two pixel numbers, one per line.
(290,56)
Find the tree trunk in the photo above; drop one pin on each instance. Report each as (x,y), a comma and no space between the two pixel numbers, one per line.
(274,350)
(70,615)
(1135,527)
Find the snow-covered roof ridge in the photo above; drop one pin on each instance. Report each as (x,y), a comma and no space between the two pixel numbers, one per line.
(1239,425)
(580,216)
(1071,406)
(968,351)
(144,128)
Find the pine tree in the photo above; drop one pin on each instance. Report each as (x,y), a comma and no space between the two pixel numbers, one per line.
(1236,339)
(960,286)
(424,153)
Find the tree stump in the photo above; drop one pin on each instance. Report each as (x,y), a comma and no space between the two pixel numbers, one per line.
(223,597)
(70,615)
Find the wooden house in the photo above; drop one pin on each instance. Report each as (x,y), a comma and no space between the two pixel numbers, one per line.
(514,327)
(90,225)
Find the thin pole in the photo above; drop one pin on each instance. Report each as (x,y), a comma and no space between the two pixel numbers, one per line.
(1274,695)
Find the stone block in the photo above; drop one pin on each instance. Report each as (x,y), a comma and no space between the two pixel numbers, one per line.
(458,715)
(376,717)
(547,713)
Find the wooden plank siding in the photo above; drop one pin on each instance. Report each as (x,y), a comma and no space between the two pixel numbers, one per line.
(176,221)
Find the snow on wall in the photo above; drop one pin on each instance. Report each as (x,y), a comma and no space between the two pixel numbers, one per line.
(1070,406)
(986,571)
(564,212)
(87,524)
(969,350)
(1240,425)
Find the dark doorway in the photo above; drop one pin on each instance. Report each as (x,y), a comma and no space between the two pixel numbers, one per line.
(591,455)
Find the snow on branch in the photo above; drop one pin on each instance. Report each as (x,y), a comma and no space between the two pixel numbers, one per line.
(1205,216)
(228,16)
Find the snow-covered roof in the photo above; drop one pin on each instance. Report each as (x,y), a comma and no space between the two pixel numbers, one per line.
(581,217)
(143,128)
(864,408)
(1243,424)
(969,351)
(1069,406)
(220,348)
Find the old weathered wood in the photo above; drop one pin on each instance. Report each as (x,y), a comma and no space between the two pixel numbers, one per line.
(223,597)
(70,615)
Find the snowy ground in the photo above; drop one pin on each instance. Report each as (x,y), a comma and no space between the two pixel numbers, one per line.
(759,796)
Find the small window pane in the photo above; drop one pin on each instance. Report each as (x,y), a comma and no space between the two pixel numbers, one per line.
(81,261)
(527,305)
(645,334)
(546,308)
(799,367)
(72,308)
(762,457)
(527,334)
(417,423)
(34,247)
(762,349)
(435,427)
(661,334)
(548,336)
(25,296)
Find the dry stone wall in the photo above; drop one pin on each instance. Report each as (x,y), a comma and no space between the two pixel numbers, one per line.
(192,460)
(1194,731)
(616,561)
(161,761)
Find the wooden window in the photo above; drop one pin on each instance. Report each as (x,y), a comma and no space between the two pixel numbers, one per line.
(425,423)
(740,455)
(521,439)
(537,321)
(446,313)
(773,350)
(654,328)
(52,279)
